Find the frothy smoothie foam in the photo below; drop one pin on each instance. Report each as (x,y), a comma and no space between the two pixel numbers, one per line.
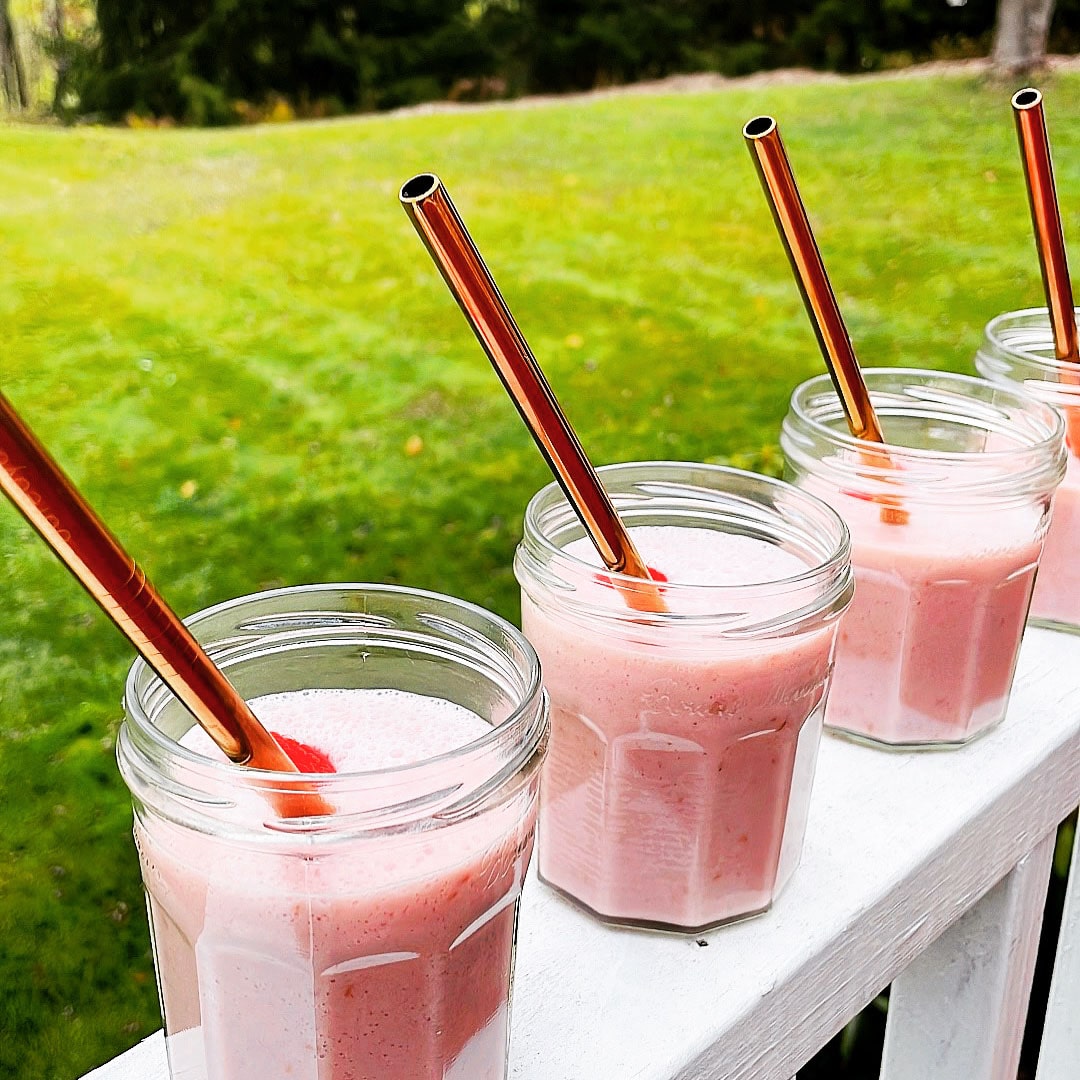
(386,957)
(361,730)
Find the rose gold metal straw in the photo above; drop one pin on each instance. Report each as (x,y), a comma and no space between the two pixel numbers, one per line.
(1046,218)
(436,219)
(1049,239)
(66,522)
(774,170)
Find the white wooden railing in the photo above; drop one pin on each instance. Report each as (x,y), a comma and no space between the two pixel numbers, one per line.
(925,871)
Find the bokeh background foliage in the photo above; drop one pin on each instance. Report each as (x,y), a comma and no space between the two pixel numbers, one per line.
(224,61)
(235,344)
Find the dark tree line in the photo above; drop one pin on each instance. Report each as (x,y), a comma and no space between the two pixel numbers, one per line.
(193,60)
(201,60)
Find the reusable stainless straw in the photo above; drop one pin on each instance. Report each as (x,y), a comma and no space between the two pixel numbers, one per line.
(49,501)
(1049,238)
(774,170)
(439,225)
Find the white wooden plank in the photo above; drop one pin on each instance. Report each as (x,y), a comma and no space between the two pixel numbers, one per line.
(957,1012)
(1059,1057)
(143,1062)
(899,846)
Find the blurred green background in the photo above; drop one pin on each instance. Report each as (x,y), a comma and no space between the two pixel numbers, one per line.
(237,347)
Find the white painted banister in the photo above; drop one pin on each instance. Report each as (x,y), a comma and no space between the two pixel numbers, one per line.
(1059,1057)
(899,847)
(957,1012)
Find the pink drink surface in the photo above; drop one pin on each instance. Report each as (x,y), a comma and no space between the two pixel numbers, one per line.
(1057,587)
(383,957)
(679,770)
(928,647)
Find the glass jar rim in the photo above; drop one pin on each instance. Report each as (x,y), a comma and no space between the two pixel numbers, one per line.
(149,737)
(993,336)
(1054,426)
(832,563)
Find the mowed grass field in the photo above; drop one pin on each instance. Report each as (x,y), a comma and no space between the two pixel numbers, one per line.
(236,345)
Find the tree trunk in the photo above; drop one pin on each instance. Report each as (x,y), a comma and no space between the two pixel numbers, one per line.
(61,55)
(1023,27)
(11,69)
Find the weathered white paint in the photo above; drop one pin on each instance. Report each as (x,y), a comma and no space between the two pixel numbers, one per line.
(899,846)
(1059,1058)
(957,1012)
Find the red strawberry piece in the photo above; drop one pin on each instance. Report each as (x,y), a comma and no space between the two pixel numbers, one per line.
(306,758)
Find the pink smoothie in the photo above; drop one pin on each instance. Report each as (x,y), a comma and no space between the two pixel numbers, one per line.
(382,957)
(1057,587)
(928,647)
(679,770)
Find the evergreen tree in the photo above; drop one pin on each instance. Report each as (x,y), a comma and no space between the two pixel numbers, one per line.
(579,44)
(194,61)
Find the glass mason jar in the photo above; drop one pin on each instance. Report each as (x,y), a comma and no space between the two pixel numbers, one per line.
(684,741)
(377,941)
(1018,350)
(947,524)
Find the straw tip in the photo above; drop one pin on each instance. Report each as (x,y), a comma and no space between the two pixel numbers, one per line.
(1027,98)
(419,187)
(759,127)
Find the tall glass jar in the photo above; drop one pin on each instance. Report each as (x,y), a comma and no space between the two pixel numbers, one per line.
(1018,350)
(378,940)
(947,524)
(684,740)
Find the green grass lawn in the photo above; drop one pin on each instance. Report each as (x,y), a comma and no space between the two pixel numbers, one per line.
(228,338)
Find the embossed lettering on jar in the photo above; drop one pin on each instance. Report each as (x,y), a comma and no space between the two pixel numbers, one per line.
(683,741)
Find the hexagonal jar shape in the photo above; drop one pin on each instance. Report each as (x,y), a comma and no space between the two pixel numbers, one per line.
(375,941)
(1018,350)
(683,741)
(927,652)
